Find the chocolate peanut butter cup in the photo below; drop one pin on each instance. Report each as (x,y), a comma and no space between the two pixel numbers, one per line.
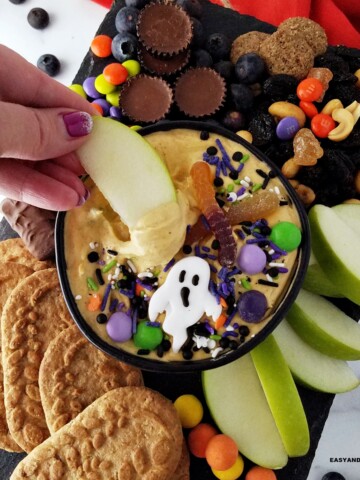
(146,99)
(163,66)
(164,29)
(199,92)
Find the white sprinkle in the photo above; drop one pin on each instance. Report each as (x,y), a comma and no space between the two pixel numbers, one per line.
(78,297)
(216,352)
(117,271)
(271,251)
(131,265)
(244,183)
(211,343)
(201,342)
(269,278)
(277,190)
(248,179)
(229,328)
(109,277)
(145,275)
(275,264)
(232,197)
(92,245)
(244,195)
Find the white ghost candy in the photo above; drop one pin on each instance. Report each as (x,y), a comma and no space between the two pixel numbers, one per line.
(185,297)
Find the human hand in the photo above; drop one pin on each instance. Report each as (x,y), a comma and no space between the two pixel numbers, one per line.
(42,123)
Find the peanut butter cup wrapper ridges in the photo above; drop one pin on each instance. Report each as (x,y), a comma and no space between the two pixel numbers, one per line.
(163,66)
(200,92)
(164,29)
(146,99)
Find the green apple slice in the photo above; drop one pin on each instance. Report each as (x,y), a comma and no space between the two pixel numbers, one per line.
(325,327)
(127,170)
(238,406)
(282,396)
(312,368)
(335,245)
(316,280)
(350,214)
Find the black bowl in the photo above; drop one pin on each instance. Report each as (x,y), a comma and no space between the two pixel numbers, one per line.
(193,365)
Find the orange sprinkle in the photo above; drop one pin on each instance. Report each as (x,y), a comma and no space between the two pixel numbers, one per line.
(223,302)
(115,73)
(138,289)
(220,321)
(101,46)
(94,303)
(260,473)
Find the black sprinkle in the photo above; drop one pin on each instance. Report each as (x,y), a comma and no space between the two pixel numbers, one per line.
(234,175)
(247,223)
(101,318)
(211,151)
(273,272)
(143,351)
(272,174)
(187,354)
(244,330)
(224,342)
(220,202)
(93,257)
(218,182)
(233,345)
(267,283)
(215,244)
(187,249)
(282,203)
(265,183)
(204,135)
(261,173)
(160,351)
(246,230)
(112,252)
(166,345)
(99,277)
(237,156)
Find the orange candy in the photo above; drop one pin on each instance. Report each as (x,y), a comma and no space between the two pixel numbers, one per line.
(310,89)
(199,438)
(221,452)
(308,108)
(115,73)
(98,108)
(94,303)
(101,46)
(322,124)
(260,473)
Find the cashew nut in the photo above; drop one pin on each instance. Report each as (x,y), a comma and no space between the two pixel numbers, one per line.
(290,169)
(354,109)
(306,194)
(345,127)
(331,105)
(357,75)
(287,109)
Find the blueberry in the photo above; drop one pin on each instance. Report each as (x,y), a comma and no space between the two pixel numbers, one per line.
(225,68)
(49,64)
(333,476)
(198,39)
(38,18)
(123,46)
(233,120)
(218,45)
(242,97)
(192,7)
(16,2)
(249,68)
(136,3)
(202,58)
(126,19)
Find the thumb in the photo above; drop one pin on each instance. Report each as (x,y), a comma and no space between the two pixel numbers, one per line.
(41,133)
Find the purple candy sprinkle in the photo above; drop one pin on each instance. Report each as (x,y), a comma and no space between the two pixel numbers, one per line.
(105,298)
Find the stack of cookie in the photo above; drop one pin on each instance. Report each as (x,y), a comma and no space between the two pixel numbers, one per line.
(78,413)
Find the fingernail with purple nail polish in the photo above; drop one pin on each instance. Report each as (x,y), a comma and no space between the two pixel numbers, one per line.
(78,124)
(83,199)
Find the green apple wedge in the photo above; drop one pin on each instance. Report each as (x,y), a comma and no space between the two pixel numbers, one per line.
(127,170)
(324,326)
(335,246)
(282,396)
(317,281)
(238,405)
(311,368)
(350,214)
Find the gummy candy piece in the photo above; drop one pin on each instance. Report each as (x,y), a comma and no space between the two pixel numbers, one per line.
(197,231)
(325,75)
(307,149)
(260,205)
(218,222)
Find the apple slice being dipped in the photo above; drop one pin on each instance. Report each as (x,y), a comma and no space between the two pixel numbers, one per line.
(128,171)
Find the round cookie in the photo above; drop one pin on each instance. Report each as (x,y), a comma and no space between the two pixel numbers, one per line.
(309,30)
(11,275)
(128,433)
(285,53)
(247,43)
(67,373)
(33,315)
(14,250)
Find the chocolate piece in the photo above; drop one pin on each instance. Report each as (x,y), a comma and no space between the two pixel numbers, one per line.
(164,29)
(34,225)
(146,99)
(200,92)
(163,66)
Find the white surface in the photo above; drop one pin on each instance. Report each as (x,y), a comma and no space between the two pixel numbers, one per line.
(73,24)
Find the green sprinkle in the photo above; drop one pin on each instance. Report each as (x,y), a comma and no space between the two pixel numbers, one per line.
(230,187)
(215,337)
(221,190)
(109,266)
(256,187)
(91,284)
(237,181)
(245,158)
(245,284)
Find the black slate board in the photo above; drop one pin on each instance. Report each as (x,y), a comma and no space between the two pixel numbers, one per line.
(316,404)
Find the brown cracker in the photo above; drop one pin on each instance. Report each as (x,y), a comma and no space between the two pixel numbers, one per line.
(247,43)
(182,471)
(33,315)
(10,275)
(14,250)
(311,31)
(130,433)
(74,373)
(283,53)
